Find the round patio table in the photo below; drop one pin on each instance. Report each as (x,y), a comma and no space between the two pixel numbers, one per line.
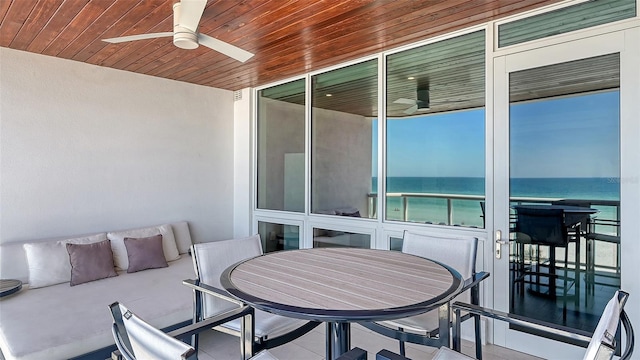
(9,286)
(342,285)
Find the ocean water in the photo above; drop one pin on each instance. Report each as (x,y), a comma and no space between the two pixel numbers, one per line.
(469,212)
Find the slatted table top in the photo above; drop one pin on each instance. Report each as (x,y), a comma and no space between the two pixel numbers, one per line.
(9,286)
(342,284)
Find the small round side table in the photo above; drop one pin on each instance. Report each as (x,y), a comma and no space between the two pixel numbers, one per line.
(8,287)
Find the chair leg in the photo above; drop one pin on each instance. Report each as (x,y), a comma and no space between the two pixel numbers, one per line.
(197,316)
(565,276)
(401,343)
(478,337)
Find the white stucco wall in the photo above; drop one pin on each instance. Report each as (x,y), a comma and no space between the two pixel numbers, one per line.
(242,164)
(85,149)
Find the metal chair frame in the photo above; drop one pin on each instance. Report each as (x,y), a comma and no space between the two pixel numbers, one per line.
(125,350)
(123,342)
(440,336)
(554,331)
(201,289)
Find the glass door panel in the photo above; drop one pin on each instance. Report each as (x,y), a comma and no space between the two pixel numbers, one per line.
(564,162)
(557,189)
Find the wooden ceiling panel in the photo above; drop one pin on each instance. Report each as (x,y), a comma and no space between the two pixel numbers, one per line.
(39,17)
(158,20)
(73,29)
(64,14)
(288,37)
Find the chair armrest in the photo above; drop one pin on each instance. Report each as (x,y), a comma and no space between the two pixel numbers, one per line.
(213,321)
(563,333)
(603,237)
(542,328)
(474,280)
(198,286)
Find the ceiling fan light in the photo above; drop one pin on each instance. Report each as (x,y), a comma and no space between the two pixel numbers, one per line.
(185,39)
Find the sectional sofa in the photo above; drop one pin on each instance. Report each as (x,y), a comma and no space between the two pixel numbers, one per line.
(62,310)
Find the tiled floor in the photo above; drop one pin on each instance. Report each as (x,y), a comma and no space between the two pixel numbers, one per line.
(219,346)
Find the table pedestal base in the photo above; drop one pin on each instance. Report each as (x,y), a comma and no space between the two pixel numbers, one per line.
(338,339)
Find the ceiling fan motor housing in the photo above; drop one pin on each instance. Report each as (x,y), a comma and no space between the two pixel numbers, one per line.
(423,99)
(182,37)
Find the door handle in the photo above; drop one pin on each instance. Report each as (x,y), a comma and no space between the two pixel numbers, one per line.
(498,244)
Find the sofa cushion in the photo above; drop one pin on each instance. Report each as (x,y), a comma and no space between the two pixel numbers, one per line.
(48,262)
(13,261)
(145,253)
(120,251)
(182,236)
(64,322)
(90,262)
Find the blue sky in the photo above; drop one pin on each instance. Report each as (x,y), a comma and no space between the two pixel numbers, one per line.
(567,137)
(563,137)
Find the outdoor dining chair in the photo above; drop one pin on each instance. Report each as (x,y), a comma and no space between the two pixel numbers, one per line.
(456,252)
(136,339)
(600,345)
(210,260)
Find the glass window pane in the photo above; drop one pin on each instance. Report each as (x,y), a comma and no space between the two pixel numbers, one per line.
(276,237)
(281,147)
(395,244)
(344,109)
(335,238)
(436,131)
(570,18)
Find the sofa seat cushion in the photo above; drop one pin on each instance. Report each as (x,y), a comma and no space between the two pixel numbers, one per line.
(60,321)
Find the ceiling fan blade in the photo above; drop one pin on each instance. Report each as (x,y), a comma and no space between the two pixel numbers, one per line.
(225,48)
(405,101)
(190,13)
(411,110)
(137,37)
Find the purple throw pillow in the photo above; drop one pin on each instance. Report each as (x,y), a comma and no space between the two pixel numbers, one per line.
(90,262)
(145,253)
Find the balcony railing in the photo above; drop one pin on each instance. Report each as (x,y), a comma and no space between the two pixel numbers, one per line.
(606,222)
(404,198)
(604,219)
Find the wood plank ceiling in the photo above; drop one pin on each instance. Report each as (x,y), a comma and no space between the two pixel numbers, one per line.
(288,37)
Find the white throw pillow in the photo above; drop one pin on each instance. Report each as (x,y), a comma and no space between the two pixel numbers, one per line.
(49,261)
(169,245)
(120,257)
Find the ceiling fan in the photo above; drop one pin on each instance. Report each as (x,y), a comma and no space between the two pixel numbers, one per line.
(421,102)
(423,99)
(186,17)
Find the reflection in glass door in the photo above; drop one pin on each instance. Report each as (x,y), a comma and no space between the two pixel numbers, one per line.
(564,190)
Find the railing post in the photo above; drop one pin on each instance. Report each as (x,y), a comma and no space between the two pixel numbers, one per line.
(405,208)
(449,212)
